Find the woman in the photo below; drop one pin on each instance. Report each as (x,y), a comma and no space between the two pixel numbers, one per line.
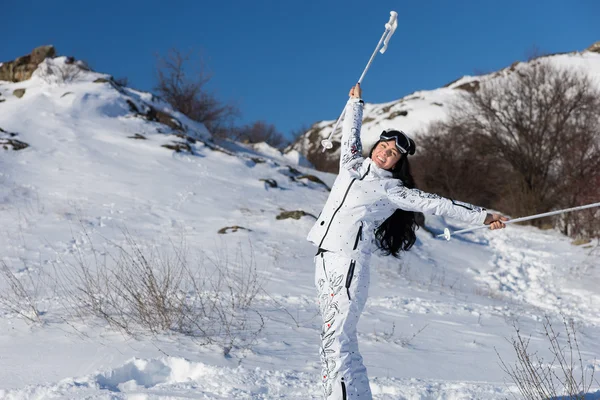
(371,205)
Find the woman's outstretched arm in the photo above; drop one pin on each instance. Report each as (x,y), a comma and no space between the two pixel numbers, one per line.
(433,204)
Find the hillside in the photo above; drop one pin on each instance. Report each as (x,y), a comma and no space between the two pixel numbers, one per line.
(91,171)
(413,113)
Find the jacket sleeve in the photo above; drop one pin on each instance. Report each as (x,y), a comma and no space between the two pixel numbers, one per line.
(429,203)
(351,150)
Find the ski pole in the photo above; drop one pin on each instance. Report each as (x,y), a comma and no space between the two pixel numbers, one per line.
(390,28)
(447,234)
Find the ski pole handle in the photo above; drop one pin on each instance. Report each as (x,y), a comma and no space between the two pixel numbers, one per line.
(390,27)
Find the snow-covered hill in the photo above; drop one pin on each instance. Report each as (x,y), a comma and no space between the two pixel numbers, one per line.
(413,113)
(100,168)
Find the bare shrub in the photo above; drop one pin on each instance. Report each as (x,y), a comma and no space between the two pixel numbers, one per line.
(141,291)
(260,131)
(445,164)
(527,142)
(59,73)
(184,88)
(403,340)
(295,139)
(564,376)
(20,294)
(226,295)
(580,162)
(122,81)
(297,133)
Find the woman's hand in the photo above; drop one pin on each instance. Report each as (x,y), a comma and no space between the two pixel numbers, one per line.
(495,221)
(356,92)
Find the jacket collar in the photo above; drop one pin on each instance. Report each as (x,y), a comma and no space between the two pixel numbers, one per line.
(375,170)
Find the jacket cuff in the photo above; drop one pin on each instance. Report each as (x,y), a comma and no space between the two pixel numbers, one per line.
(482,216)
(354,100)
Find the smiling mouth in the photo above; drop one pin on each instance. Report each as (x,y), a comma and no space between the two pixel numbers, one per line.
(381,159)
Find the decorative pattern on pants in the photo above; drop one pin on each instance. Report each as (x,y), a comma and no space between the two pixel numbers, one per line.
(342,285)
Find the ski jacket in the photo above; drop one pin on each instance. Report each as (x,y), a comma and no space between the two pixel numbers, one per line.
(364,196)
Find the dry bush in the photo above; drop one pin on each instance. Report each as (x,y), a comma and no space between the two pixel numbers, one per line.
(63,73)
(403,340)
(524,143)
(580,162)
(445,165)
(141,291)
(122,81)
(19,293)
(260,131)
(298,132)
(184,88)
(562,377)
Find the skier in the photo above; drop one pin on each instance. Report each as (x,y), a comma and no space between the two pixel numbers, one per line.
(372,205)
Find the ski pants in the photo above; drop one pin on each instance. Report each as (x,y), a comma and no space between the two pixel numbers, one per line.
(342,285)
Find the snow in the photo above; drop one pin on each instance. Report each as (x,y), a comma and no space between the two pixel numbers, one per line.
(295,157)
(290,157)
(432,326)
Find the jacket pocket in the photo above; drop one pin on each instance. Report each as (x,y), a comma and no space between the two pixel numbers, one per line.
(349,277)
(358,237)
(343,389)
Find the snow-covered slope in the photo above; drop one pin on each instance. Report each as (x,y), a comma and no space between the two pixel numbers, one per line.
(87,179)
(413,113)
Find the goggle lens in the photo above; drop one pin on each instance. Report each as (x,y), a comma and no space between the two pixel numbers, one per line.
(402,142)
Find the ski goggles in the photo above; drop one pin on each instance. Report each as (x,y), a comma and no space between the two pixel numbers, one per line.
(402,141)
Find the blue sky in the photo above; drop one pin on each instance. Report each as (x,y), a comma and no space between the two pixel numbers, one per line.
(291,63)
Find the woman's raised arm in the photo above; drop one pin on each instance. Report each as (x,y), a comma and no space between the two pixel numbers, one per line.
(351,150)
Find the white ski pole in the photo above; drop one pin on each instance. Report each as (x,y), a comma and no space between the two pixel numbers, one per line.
(390,28)
(447,234)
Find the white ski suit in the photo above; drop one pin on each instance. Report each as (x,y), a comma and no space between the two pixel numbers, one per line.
(362,197)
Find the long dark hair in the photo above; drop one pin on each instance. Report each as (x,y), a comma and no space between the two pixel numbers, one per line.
(397,233)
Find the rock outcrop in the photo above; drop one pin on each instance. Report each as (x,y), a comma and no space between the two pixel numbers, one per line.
(22,68)
(595,47)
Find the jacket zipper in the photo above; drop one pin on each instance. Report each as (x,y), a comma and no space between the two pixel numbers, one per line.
(324,269)
(341,204)
(349,277)
(343,389)
(358,237)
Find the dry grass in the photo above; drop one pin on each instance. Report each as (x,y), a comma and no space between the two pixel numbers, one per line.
(564,376)
(141,291)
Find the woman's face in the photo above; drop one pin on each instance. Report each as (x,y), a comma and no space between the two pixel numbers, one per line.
(386,155)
